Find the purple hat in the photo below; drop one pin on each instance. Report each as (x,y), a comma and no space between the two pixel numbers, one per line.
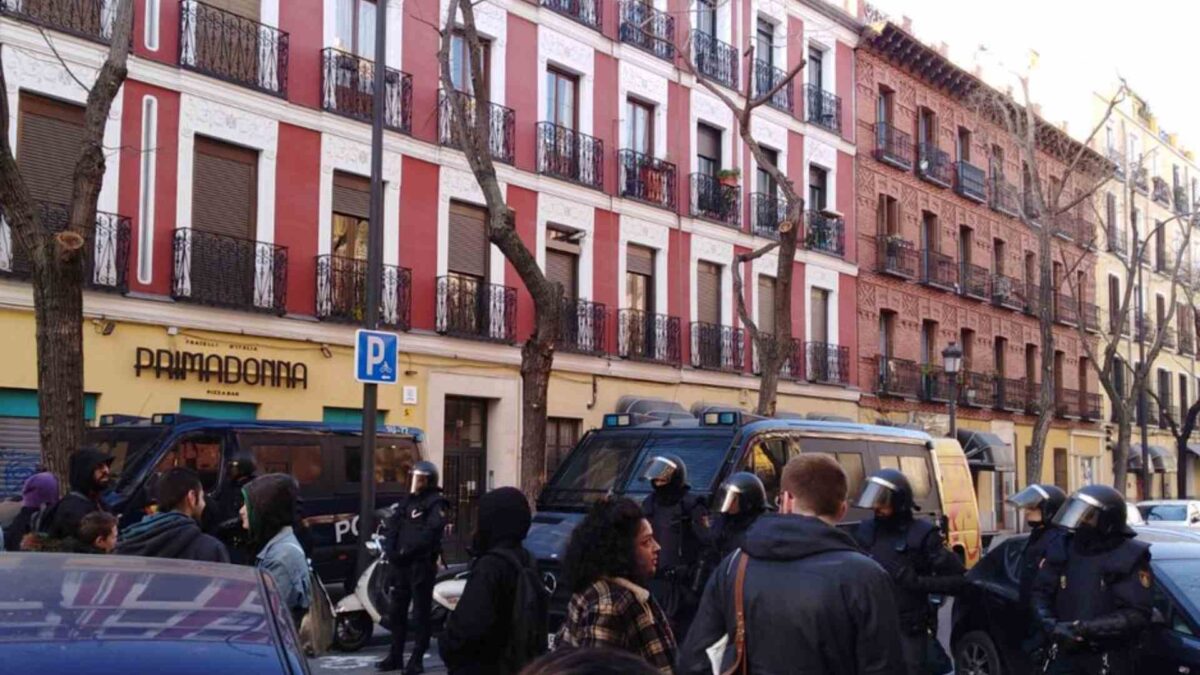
(40,490)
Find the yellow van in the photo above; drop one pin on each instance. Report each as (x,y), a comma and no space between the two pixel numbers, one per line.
(959,506)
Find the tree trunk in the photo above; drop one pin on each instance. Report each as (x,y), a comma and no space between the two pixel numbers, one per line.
(1120,456)
(537,357)
(1041,428)
(770,364)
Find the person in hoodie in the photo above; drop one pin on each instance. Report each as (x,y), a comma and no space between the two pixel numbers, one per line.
(483,632)
(174,532)
(814,603)
(38,494)
(268,512)
(89,476)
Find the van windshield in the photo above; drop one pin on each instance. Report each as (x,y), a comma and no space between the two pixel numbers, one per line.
(702,454)
(130,448)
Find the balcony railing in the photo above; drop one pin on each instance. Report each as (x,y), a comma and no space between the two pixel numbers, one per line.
(469,308)
(1181,200)
(793,363)
(1143,329)
(716,200)
(1118,158)
(934,165)
(893,146)
(570,155)
(826,363)
(348,83)
(896,256)
(975,281)
(587,12)
(766,76)
(825,233)
(643,336)
(1162,192)
(1033,298)
(88,19)
(1153,416)
(1067,403)
(717,347)
(1187,342)
(342,292)
(977,390)
(938,270)
(897,377)
(1118,242)
(972,182)
(1141,180)
(1011,395)
(1089,314)
(232,48)
(648,29)
(935,384)
(1168,337)
(766,213)
(1114,318)
(1033,397)
(1089,406)
(647,179)
(501,124)
(105,248)
(1005,197)
(222,271)
(715,60)
(1066,309)
(822,108)
(583,327)
(1008,292)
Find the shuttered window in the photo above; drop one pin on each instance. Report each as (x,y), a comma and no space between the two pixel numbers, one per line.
(639,278)
(641,260)
(766,304)
(49,137)
(225,189)
(820,315)
(562,260)
(351,194)
(708,149)
(708,292)
(246,8)
(351,213)
(468,240)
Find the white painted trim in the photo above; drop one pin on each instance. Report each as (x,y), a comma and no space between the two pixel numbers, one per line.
(146,190)
(460,186)
(342,154)
(634,80)
(826,157)
(491,22)
(268,13)
(152,19)
(707,109)
(552,209)
(644,233)
(564,53)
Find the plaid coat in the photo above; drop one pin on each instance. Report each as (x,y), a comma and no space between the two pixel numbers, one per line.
(618,613)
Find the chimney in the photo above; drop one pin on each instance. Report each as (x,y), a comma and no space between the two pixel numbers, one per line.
(906,23)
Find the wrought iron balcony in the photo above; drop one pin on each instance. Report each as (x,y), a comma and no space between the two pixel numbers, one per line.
(587,12)
(1033,397)
(1008,292)
(893,146)
(223,271)
(938,270)
(501,124)
(583,327)
(1005,197)
(570,155)
(232,48)
(934,165)
(822,108)
(1182,204)
(105,248)
(897,377)
(972,182)
(1162,192)
(1066,309)
(1067,403)
(469,308)
(766,213)
(1089,313)
(975,281)
(348,83)
(935,384)
(793,364)
(642,336)
(715,60)
(1089,406)
(342,292)
(1011,395)
(647,179)
(976,390)
(766,77)
(648,29)
(717,347)
(1141,180)
(88,19)
(825,233)
(1118,158)
(716,200)
(826,363)
(896,256)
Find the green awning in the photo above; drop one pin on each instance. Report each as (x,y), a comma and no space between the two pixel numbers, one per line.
(24,403)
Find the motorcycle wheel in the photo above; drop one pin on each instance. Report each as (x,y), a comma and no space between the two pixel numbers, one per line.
(352,631)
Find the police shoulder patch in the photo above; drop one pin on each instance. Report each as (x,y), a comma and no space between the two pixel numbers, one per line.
(1145,578)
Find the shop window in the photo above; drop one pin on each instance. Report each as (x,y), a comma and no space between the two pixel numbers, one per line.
(201,454)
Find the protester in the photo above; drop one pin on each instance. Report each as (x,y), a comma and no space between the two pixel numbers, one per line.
(268,511)
(739,501)
(813,602)
(491,631)
(610,556)
(174,532)
(88,478)
(589,661)
(38,494)
(97,533)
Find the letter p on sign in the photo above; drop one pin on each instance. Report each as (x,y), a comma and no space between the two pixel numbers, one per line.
(375,356)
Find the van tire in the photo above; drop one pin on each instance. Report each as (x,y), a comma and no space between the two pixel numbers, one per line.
(352,631)
(976,654)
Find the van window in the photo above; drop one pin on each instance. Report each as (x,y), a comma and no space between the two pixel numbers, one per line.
(303,462)
(766,459)
(201,454)
(852,464)
(394,459)
(915,469)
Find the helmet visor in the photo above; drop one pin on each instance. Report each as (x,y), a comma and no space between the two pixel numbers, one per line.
(660,469)
(1029,498)
(728,499)
(418,481)
(876,493)
(1078,512)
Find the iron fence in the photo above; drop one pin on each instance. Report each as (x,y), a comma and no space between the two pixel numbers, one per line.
(472,309)
(500,125)
(570,155)
(232,48)
(348,86)
(223,271)
(342,292)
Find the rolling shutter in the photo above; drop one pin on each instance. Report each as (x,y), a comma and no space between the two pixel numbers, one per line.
(20,452)
(224,189)
(50,136)
(708,292)
(708,143)
(562,267)
(351,195)
(246,8)
(766,304)
(468,240)
(640,260)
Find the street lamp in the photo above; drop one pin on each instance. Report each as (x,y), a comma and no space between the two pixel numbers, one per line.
(951,363)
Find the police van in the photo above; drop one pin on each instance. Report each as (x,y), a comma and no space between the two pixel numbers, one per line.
(324,458)
(715,442)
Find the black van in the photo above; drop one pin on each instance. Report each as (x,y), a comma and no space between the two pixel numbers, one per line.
(324,458)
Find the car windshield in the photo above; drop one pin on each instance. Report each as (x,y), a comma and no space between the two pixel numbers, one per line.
(592,469)
(702,454)
(1184,576)
(131,448)
(1164,512)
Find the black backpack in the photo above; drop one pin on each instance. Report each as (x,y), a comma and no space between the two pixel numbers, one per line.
(529,624)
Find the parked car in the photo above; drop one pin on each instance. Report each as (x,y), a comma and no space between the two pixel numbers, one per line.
(119,614)
(988,628)
(1171,512)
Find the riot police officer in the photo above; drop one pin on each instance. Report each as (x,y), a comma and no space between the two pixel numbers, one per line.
(740,500)
(413,546)
(914,553)
(680,522)
(1039,503)
(1094,591)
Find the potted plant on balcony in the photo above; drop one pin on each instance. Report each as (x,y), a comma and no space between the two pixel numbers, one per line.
(729,177)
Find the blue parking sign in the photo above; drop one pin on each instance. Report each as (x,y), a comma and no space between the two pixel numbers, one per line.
(375,356)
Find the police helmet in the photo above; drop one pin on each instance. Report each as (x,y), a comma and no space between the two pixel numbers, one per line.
(1096,509)
(884,487)
(1045,498)
(666,468)
(741,493)
(427,470)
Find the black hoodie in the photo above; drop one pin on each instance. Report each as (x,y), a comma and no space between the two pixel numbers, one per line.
(84,497)
(171,535)
(814,604)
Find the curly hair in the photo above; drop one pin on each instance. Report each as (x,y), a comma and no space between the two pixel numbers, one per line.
(603,544)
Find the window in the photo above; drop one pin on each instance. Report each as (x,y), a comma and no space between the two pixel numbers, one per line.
(929,349)
(1114,302)
(965,240)
(1060,362)
(1119,378)
(852,464)
(1164,394)
(765,42)
(354,27)
(562,98)
(999,251)
(1160,247)
(817,187)
(224,189)
(639,279)
(460,66)
(999,349)
(708,150)
(706,17)
(1160,310)
(963,148)
(819,315)
(1183,396)
(927,128)
(929,231)
(888,215)
(562,259)
(885,110)
(887,336)
(1032,367)
(394,460)
(766,304)
(640,118)
(915,469)
(815,68)
(766,459)
(49,135)
(1110,220)
(766,184)
(351,211)
(201,454)
(301,461)
(469,248)
(562,433)
(997,161)
(708,292)
(966,338)
(1032,274)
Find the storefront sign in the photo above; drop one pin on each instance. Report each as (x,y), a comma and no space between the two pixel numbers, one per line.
(218,369)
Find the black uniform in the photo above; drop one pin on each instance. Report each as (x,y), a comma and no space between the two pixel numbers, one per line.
(738,502)
(1044,500)
(413,547)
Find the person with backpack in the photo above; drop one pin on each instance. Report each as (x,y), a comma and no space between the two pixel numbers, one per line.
(89,477)
(500,623)
(38,494)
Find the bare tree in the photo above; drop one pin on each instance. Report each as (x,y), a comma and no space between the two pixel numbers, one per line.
(471,124)
(56,253)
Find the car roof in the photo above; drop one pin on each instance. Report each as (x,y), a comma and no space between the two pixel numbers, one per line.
(686,425)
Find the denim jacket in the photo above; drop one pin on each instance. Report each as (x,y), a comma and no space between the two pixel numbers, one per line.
(284,560)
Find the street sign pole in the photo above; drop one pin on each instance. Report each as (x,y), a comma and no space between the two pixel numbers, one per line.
(366,509)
